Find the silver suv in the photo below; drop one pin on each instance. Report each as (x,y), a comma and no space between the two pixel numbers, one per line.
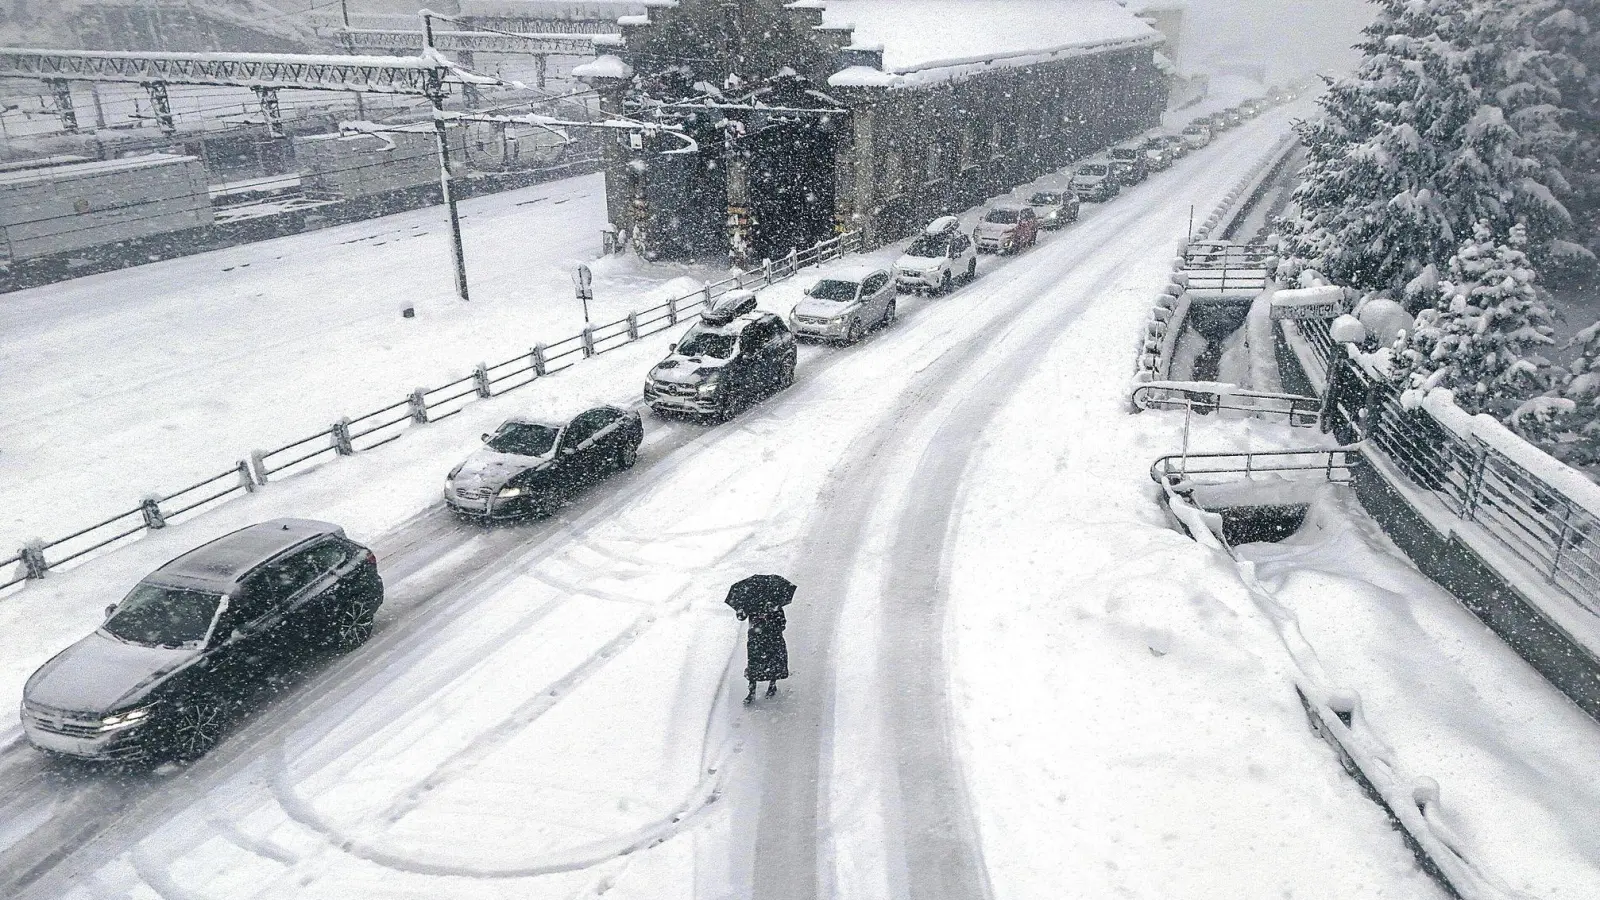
(173,661)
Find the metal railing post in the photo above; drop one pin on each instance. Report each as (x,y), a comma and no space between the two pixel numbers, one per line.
(258,462)
(480,380)
(1474,490)
(536,356)
(341,438)
(766,270)
(672,309)
(588,341)
(150,508)
(247,476)
(419,406)
(33,561)
(633,326)
(1561,542)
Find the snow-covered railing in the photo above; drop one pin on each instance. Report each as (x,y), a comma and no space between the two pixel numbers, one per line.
(1542,512)
(374,429)
(1223,267)
(1208,396)
(1178,470)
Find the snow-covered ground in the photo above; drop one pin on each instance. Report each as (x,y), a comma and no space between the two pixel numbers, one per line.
(1454,703)
(143,380)
(993,609)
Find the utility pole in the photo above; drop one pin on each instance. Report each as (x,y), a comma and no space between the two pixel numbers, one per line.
(436,97)
(349,47)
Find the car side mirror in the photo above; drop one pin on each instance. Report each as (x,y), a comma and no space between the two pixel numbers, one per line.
(672,348)
(568,451)
(487,437)
(110,609)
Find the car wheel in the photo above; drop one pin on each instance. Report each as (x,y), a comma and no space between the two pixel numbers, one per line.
(726,408)
(945,285)
(788,373)
(352,625)
(627,455)
(194,728)
(891,312)
(972,268)
(853,333)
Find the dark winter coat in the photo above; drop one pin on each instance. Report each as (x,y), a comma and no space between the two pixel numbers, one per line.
(769,655)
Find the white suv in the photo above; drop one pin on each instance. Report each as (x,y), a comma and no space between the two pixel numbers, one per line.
(940,257)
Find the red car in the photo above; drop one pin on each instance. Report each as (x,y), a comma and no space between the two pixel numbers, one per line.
(1007,229)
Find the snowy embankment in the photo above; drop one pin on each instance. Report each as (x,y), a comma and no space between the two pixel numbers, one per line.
(1452,702)
(146,379)
(1128,714)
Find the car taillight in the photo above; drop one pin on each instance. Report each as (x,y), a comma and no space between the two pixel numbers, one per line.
(372,559)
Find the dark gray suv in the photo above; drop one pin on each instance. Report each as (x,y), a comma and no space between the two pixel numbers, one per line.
(178,656)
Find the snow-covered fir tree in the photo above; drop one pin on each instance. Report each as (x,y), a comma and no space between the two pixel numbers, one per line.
(1565,421)
(1484,334)
(1568,34)
(1441,126)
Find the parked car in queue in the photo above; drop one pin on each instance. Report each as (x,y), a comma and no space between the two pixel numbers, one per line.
(530,467)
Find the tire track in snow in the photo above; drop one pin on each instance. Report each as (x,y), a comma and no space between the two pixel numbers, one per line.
(944,857)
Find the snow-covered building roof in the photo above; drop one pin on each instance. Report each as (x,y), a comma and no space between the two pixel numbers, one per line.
(922,37)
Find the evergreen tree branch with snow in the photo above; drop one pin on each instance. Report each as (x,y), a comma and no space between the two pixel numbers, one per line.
(1484,335)
(1456,115)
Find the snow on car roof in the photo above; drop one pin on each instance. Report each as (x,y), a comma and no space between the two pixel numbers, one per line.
(856,273)
(922,35)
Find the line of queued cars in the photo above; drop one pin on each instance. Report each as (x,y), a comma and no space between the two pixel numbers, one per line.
(193,643)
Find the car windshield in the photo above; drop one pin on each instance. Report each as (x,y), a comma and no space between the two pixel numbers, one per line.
(1092,170)
(158,616)
(1045,198)
(1123,153)
(1002,216)
(524,439)
(836,290)
(928,247)
(707,343)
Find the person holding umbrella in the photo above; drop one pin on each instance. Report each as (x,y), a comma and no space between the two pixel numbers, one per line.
(761,599)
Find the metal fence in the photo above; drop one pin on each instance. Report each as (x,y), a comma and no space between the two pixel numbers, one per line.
(1534,520)
(376,428)
(1331,464)
(1207,397)
(1226,268)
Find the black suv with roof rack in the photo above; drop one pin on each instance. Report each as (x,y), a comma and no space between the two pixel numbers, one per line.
(178,656)
(735,356)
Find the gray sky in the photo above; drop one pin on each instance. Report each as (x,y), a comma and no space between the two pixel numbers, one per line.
(1292,37)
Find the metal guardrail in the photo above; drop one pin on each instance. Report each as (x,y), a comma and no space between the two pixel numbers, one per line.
(1530,518)
(1334,464)
(374,429)
(1207,397)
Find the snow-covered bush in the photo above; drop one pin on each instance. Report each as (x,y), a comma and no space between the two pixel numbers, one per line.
(1483,335)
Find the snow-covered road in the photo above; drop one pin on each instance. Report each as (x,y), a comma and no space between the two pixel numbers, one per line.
(1010,674)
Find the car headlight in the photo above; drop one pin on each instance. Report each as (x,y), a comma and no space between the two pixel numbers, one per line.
(838,320)
(506,493)
(709,386)
(123,720)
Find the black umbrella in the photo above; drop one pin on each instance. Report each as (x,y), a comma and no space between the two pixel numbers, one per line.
(759,593)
